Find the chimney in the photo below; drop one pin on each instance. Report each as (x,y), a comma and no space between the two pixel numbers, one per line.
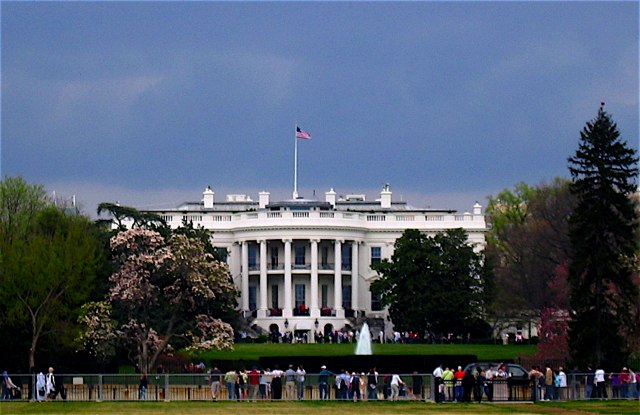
(385,197)
(263,198)
(330,197)
(207,197)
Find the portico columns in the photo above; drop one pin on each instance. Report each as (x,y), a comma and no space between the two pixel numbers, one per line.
(262,307)
(337,280)
(244,284)
(287,311)
(354,275)
(315,311)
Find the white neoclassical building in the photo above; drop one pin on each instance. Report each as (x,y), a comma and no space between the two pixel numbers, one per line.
(304,265)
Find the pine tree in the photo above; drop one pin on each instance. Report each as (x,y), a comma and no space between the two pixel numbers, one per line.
(603,231)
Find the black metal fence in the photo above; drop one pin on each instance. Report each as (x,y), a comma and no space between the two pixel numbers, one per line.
(197,387)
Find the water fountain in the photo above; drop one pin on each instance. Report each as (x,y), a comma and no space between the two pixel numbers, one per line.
(364,341)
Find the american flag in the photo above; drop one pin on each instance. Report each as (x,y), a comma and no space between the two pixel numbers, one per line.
(302,134)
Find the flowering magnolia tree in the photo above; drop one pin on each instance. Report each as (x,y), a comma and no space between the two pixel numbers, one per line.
(163,294)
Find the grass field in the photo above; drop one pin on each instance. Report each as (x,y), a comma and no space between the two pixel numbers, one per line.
(485,352)
(319,408)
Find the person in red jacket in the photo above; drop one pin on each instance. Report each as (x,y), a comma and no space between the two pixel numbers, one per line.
(457,388)
(254,383)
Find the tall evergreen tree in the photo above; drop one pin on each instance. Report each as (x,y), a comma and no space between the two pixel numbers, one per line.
(603,230)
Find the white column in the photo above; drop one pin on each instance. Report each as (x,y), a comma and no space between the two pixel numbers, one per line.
(337,280)
(287,311)
(244,286)
(354,275)
(262,307)
(315,311)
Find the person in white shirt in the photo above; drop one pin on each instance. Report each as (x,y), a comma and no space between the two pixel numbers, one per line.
(601,390)
(562,383)
(51,384)
(437,376)
(396,382)
(300,377)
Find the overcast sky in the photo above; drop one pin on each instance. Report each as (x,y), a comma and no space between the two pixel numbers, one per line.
(147,103)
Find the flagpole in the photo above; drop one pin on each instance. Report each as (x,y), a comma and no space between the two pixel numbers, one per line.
(295,162)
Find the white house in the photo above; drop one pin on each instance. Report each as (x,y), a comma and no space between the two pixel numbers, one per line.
(304,265)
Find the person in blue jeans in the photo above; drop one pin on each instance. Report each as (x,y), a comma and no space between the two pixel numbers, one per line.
(323,382)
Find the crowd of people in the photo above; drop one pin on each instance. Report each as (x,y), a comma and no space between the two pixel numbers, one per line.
(473,383)
(290,384)
(556,384)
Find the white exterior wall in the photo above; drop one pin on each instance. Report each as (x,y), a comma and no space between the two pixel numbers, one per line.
(374,227)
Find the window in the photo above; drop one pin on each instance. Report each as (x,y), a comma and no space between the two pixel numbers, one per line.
(252,297)
(346,296)
(325,296)
(346,257)
(299,288)
(324,258)
(252,256)
(376,304)
(376,254)
(274,257)
(274,297)
(300,251)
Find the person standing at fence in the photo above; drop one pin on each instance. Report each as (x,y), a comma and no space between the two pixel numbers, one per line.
(323,382)
(372,385)
(142,389)
(265,384)
(214,382)
(589,382)
(51,384)
(625,380)
(41,387)
(481,383)
(458,390)
(354,385)
(342,384)
(437,380)
(254,383)
(230,379)
(290,383)
(601,389)
(635,383)
(8,387)
(549,385)
(447,384)
(561,382)
(300,378)
(276,383)
(614,378)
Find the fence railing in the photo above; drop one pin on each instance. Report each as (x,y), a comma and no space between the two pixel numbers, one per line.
(198,387)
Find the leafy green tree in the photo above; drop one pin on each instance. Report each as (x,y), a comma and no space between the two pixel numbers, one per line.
(48,273)
(435,284)
(603,232)
(528,245)
(19,204)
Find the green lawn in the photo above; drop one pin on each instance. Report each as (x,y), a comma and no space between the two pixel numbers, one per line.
(319,408)
(255,351)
